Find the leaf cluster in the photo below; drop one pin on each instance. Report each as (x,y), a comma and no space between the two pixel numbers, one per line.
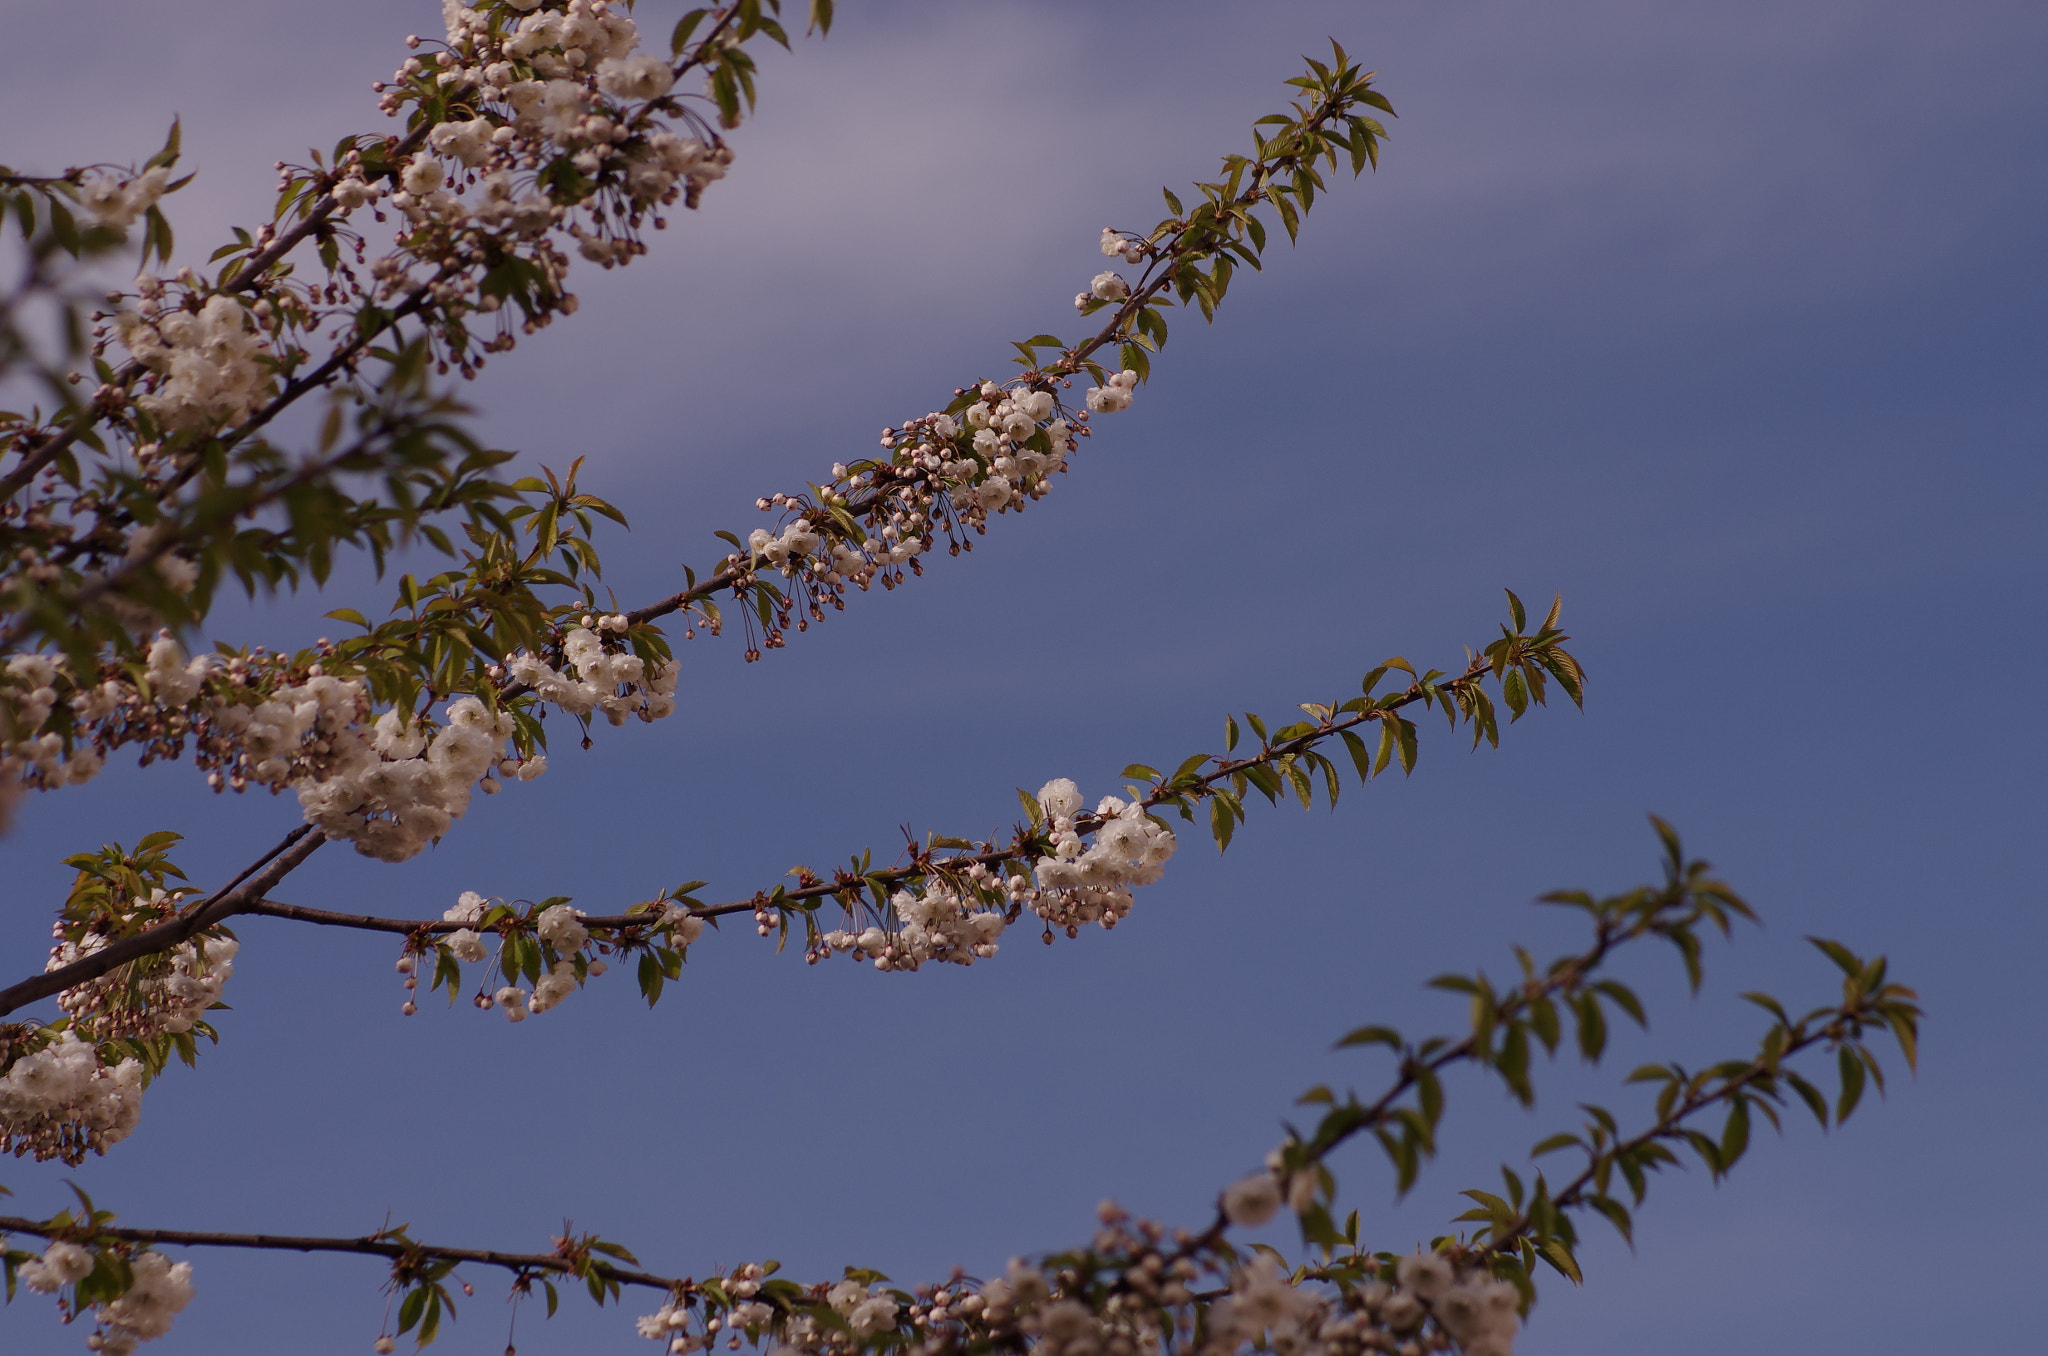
(1289,758)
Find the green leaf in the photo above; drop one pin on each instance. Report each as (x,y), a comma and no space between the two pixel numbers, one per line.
(1558,1255)
(410,1308)
(1811,1095)
(1407,743)
(1289,217)
(1221,822)
(1515,692)
(1624,998)
(1371,1035)
(1514,1063)
(1617,1215)
(1317,1228)
(1735,1133)
(1361,759)
(63,227)
(1852,1083)
(1835,951)
(169,154)
(1592,1027)
(1330,782)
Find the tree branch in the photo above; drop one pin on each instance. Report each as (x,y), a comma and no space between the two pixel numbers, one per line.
(230,899)
(375,1245)
(922,864)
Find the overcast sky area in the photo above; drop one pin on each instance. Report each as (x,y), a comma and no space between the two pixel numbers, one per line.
(1728,321)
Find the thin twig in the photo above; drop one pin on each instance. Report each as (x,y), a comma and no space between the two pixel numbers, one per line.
(371,1244)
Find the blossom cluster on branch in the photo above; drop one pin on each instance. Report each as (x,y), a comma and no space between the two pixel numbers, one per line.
(60,1101)
(532,128)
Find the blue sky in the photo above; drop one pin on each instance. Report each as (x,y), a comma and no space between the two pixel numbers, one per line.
(1724,320)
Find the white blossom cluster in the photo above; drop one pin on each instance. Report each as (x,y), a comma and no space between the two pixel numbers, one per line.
(208,363)
(1133,1294)
(390,786)
(1109,285)
(1268,1310)
(985,461)
(561,928)
(595,679)
(1265,1308)
(464,944)
(1477,1310)
(175,992)
(671,1324)
(1080,884)
(159,1292)
(1104,286)
(549,990)
(400,788)
(941,920)
(684,926)
(797,539)
(866,1312)
(1113,395)
(30,754)
(956,912)
(1431,1306)
(556,82)
(946,473)
(60,1265)
(58,1102)
(1117,245)
(114,200)
(559,81)
(1063,1326)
